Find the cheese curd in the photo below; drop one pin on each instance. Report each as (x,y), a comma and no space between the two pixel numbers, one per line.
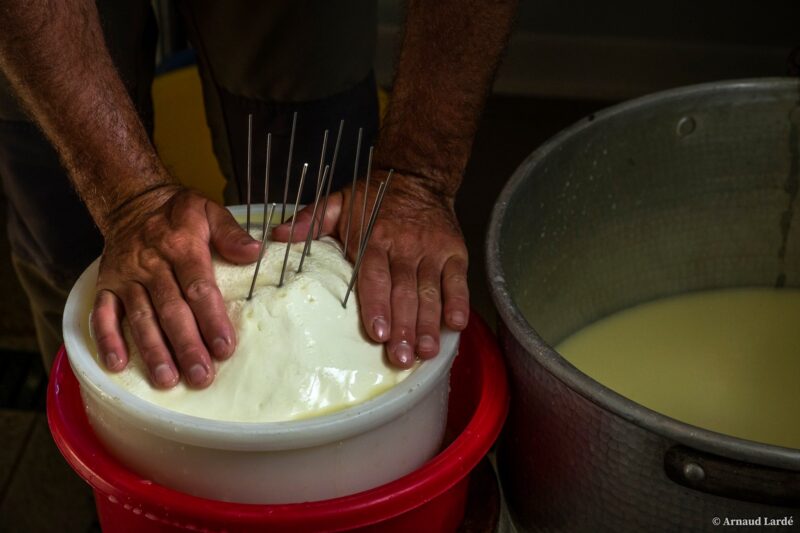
(299,353)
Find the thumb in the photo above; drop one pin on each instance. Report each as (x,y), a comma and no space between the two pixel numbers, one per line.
(228,238)
(302,221)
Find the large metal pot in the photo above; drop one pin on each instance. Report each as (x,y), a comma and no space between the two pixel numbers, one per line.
(689,189)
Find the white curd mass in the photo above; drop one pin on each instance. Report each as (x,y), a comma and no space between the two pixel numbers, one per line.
(299,353)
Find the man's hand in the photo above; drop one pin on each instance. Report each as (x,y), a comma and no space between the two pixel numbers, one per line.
(413,277)
(156,271)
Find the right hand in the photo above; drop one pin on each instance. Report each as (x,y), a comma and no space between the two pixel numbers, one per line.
(156,271)
(413,279)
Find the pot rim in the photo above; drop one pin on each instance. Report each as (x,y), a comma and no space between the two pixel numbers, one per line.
(569,375)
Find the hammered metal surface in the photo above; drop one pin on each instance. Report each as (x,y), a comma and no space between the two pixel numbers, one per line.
(688,190)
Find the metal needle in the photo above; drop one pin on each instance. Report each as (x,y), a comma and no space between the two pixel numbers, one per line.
(372,218)
(330,180)
(310,235)
(376,206)
(353,191)
(322,160)
(249,164)
(319,175)
(364,205)
(294,219)
(266,221)
(261,252)
(288,169)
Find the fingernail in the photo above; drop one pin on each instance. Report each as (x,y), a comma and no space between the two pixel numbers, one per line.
(221,347)
(403,353)
(164,375)
(197,374)
(426,344)
(457,318)
(112,360)
(381,328)
(247,241)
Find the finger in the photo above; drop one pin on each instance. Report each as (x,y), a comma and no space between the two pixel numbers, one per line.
(405,302)
(107,332)
(196,278)
(330,221)
(228,238)
(302,222)
(180,327)
(429,313)
(374,291)
(148,338)
(456,293)
(332,215)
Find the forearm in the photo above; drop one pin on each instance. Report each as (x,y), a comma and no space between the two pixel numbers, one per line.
(447,61)
(54,54)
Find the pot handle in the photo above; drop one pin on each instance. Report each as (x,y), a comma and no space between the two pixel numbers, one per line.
(732,479)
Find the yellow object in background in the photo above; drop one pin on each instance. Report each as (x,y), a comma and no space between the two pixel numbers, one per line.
(383,103)
(182,137)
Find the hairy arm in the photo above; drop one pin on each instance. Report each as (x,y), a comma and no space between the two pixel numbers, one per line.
(450,51)
(156,265)
(414,278)
(55,55)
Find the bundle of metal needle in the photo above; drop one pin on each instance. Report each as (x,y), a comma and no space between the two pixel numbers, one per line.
(325,174)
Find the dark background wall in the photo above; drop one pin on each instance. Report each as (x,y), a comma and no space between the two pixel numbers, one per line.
(612,50)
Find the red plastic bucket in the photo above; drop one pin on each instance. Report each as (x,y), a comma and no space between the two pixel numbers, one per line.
(431,498)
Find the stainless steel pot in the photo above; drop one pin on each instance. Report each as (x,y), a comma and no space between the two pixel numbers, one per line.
(689,189)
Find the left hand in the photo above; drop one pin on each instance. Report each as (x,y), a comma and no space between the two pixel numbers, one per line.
(413,278)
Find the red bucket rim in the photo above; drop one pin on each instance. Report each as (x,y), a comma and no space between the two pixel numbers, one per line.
(93,463)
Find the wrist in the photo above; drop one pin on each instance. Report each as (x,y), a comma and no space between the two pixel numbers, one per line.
(411,192)
(114,186)
(130,210)
(432,186)
(113,177)
(436,159)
